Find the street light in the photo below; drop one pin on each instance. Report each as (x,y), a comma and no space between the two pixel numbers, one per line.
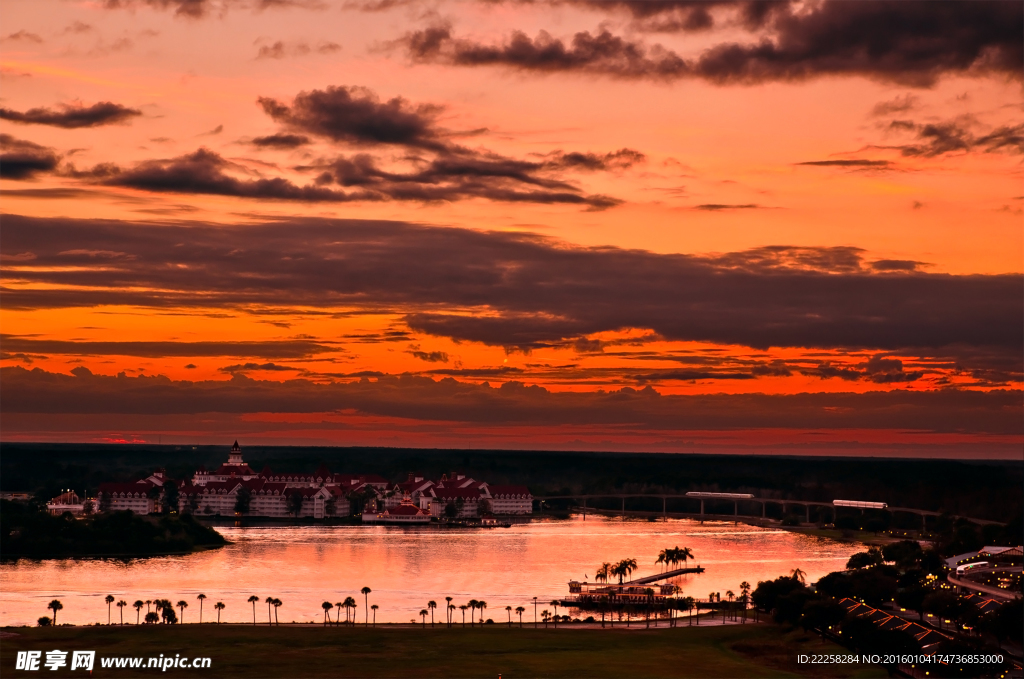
(534,612)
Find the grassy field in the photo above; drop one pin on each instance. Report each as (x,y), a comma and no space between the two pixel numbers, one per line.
(763,650)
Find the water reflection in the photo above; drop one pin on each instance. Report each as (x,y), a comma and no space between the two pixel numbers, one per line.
(406,567)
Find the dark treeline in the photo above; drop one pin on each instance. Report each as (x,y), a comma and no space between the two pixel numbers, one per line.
(27,532)
(981,489)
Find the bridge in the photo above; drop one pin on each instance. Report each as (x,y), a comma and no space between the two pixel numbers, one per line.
(664,576)
(736,499)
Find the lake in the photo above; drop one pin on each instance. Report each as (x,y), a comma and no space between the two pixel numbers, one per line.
(406,567)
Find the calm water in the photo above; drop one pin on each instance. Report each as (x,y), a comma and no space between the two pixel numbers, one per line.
(406,567)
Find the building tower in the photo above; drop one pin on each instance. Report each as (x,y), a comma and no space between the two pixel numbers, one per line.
(235,457)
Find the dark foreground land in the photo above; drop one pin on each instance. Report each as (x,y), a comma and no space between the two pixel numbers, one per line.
(754,650)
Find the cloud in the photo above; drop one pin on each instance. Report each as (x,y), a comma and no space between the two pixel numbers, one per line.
(717,207)
(899,104)
(356,115)
(512,403)
(198,9)
(21,159)
(952,136)
(24,36)
(78,27)
(879,369)
(911,43)
(246,367)
(73,116)
(847,163)
(516,289)
(431,356)
(268,349)
(281,141)
(280,50)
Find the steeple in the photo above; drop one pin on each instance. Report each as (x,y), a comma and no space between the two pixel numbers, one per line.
(235,457)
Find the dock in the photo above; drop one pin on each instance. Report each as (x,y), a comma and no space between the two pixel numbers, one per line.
(664,576)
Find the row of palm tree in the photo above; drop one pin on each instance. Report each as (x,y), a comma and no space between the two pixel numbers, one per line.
(152,616)
(622,570)
(671,556)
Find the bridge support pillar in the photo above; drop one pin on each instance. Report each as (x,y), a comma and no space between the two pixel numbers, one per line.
(808,508)
(764,511)
(702,508)
(664,507)
(736,508)
(623,506)
(584,509)
(924,522)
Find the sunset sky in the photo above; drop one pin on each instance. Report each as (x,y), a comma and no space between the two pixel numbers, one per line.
(721,226)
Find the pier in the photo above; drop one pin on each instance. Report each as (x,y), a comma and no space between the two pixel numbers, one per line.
(664,576)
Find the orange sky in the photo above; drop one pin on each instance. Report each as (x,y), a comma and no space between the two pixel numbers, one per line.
(891,182)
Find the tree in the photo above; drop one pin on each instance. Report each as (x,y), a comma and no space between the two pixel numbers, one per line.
(374,608)
(663,557)
(121,604)
(277,604)
(554,602)
(730,596)
(105,501)
(745,597)
(545,615)
(508,609)
(350,608)
(183,605)
(366,600)
(913,598)
(201,597)
(109,599)
(449,610)
(337,616)
(431,605)
(167,613)
(242,500)
(269,601)
(683,554)
(451,510)
(603,572)
(327,605)
(472,612)
(138,609)
(481,605)
(872,557)
(821,614)
(220,607)
(423,614)
(152,618)
(295,500)
(799,575)
(253,599)
(463,608)
(519,611)
(624,568)
(170,499)
(44,621)
(688,603)
(148,603)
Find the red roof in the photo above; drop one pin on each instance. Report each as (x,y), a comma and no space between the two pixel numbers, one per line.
(455,493)
(236,469)
(505,491)
(404,510)
(129,488)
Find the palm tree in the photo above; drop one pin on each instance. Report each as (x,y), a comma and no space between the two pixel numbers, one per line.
(350,609)
(220,607)
(109,599)
(545,615)
(554,602)
(121,604)
(745,597)
(603,572)
(431,605)
(481,605)
(423,614)
(268,601)
(664,557)
(277,604)
(148,602)
(463,608)
(182,605)
(683,554)
(624,568)
(449,610)
(519,611)
(688,603)
(798,574)
(730,596)
(327,605)
(374,608)
(138,608)
(253,599)
(201,597)
(472,611)
(337,615)
(508,609)
(366,599)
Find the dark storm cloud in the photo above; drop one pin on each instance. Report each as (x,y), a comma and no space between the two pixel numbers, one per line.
(71,117)
(512,289)
(431,356)
(246,367)
(268,349)
(281,141)
(908,42)
(879,369)
(21,159)
(717,207)
(513,403)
